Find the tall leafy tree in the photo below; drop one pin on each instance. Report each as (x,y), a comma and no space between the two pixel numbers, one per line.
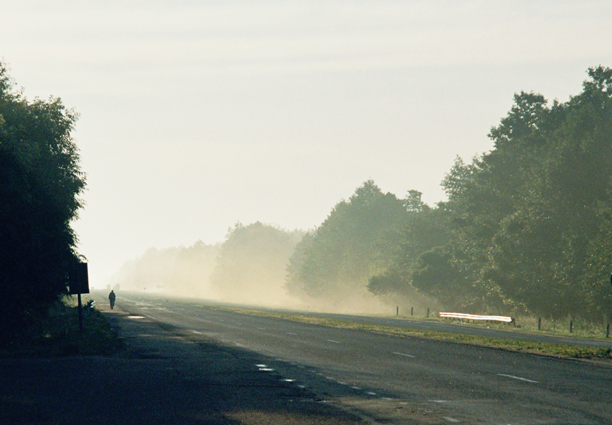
(556,226)
(40,184)
(422,229)
(524,217)
(338,258)
(482,194)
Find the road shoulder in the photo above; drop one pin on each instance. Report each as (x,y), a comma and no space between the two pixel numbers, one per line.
(163,376)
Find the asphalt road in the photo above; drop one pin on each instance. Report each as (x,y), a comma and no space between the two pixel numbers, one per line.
(165,376)
(399,379)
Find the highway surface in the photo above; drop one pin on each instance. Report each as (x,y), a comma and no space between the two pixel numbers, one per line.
(400,377)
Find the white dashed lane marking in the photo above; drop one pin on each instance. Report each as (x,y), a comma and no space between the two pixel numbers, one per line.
(264,368)
(404,355)
(518,378)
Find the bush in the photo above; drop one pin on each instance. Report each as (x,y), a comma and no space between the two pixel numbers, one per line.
(57,334)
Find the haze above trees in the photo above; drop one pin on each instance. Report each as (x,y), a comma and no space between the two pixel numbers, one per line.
(526,228)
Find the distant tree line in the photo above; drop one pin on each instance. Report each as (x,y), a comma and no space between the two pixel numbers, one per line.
(248,267)
(40,183)
(526,227)
(180,270)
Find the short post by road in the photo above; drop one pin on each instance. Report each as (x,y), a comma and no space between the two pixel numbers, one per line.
(78,283)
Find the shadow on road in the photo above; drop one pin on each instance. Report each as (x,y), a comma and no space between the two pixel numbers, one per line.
(165,376)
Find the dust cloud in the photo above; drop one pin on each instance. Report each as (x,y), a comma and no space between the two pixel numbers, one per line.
(248,268)
(180,271)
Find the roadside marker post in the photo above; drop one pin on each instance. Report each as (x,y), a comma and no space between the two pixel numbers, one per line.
(78,283)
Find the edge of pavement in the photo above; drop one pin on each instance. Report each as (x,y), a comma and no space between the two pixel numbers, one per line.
(164,375)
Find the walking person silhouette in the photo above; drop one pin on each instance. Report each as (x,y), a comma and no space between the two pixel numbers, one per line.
(111,298)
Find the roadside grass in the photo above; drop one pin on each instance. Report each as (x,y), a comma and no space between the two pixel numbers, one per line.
(542,348)
(58,334)
(529,324)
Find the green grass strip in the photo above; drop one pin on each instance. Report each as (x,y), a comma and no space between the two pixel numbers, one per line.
(542,348)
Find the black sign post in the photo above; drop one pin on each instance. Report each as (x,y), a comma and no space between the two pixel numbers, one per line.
(78,283)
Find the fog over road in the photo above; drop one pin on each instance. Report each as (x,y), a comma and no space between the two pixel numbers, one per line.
(407,376)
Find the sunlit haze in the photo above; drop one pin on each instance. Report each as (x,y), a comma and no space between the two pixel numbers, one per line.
(196,115)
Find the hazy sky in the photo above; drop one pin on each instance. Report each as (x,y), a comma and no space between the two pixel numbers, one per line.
(198,114)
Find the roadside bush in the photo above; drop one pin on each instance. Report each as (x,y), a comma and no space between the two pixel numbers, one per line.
(57,334)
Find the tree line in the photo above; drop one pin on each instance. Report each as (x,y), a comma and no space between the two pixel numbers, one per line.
(526,227)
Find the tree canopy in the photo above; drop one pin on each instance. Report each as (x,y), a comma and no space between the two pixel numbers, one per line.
(527,225)
(339,257)
(40,184)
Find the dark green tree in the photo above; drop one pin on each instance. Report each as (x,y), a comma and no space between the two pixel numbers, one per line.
(40,183)
(525,217)
(422,229)
(339,257)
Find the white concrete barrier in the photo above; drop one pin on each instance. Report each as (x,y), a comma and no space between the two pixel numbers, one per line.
(447,315)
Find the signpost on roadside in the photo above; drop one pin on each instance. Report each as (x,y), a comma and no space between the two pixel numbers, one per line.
(78,283)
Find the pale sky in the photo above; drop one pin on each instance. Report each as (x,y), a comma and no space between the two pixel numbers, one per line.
(196,115)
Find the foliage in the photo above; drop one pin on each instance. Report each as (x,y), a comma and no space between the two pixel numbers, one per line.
(58,334)
(543,250)
(528,216)
(337,259)
(526,227)
(252,262)
(40,184)
(423,229)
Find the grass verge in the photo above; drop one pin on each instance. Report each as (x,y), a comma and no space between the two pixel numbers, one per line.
(542,348)
(58,334)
